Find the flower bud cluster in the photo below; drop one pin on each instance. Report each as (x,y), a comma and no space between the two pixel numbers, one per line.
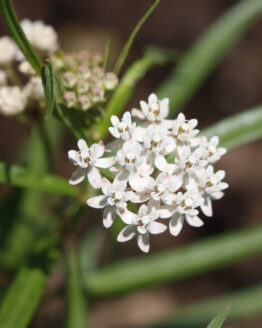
(20,88)
(160,165)
(84,80)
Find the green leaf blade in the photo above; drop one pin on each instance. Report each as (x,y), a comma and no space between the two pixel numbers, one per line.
(206,53)
(48,84)
(75,297)
(219,319)
(178,264)
(238,129)
(27,178)
(22,299)
(124,52)
(18,34)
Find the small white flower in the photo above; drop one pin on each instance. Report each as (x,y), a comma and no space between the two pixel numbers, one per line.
(212,153)
(183,129)
(186,210)
(114,200)
(211,186)
(43,37)
(13,101)
(133,166)
(141,225)
(88,159)
(123,129)
(8,51)
(26,68)
(154,111)
(165,187)
(110,81)
(189,161)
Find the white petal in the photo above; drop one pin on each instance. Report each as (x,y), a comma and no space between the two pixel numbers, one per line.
(206,207)
(156,228)
(162,165)
(114,132)
(136,182)
(127,118)
(166,211)
(114,120)
(78,176)
(194,221)
(82,145)
(137,114)
(127,216)
(143,242)
(105,184)
(142,210)
(97,201)
(126,234)
(94,178)
(140,197)
(105,162)
(73,156)
(176,225)
(108,216)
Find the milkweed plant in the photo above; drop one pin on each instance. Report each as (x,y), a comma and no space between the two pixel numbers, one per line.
(149,168)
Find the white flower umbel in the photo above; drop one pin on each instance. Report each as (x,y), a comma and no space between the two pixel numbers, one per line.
(160,169)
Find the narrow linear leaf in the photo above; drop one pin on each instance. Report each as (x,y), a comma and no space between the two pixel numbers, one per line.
(247,303)
(176,264)
(124,52)
(17,33)
(206,52)
(107,53)
(238,129)
(48,84)
(76,304)
(219,319)
(26,178)
(22,299)
(124,91)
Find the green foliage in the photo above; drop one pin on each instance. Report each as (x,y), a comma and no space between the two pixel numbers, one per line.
(22,299)
(17,33)
(176,264)
(124,52)
(48,84)
(76,304)
(219,319)
(206,52)
(247,303)
(238,129)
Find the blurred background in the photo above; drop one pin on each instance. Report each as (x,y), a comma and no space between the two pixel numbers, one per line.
(234,86)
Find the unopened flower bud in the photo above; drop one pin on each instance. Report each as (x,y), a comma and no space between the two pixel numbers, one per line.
(110,81)
(84,72)
(69,98)
(84,102)
(97,71)
(82,85)
(69,79)
(97,94)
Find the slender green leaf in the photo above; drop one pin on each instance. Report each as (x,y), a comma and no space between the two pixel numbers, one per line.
(24,177)
(206,52)
(247,303)
(125,90)
(107,53)
(76,305)
(238,129)
(219,319)
(124,52)
(176,264)
(17,33)
(48,84)
(22,299)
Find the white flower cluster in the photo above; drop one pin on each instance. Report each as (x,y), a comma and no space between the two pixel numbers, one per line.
(160,164)
(15,97)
